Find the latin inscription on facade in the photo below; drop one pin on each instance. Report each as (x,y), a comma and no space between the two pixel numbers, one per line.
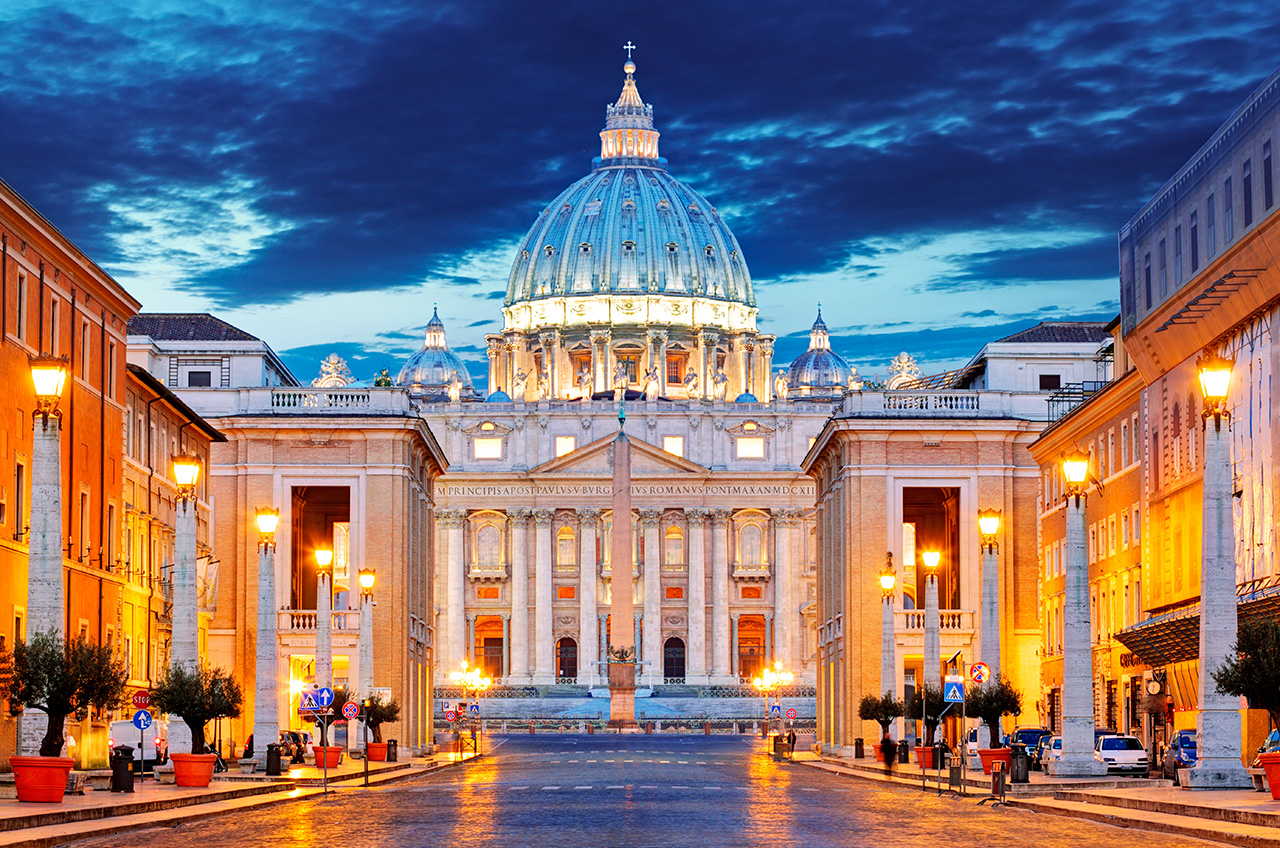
(459,490)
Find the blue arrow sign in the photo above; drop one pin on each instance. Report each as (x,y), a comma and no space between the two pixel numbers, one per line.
(953,692)
(142,719)
(324,696)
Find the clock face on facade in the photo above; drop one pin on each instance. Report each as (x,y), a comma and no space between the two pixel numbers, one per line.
(1153,687)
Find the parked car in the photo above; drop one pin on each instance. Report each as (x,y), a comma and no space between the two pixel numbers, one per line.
(1029,736)
(1050,751)
(1269,745)
(150,746)
(1122,755)
(1040,751)
(1180,753)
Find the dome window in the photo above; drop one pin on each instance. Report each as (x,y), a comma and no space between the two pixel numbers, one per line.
(664,205)
(550,250)
(672,247)
(628,246)
(711,251)
(628,205)
(585,247)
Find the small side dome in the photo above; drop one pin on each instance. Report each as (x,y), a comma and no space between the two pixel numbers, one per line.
(498,397)
(819,373)
(745,397)
(435,372)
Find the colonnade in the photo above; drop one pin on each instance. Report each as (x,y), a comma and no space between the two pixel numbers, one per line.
(709,631)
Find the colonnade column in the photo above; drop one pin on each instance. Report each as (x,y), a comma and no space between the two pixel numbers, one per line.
(696,671)
(709,342)
(494,348)
(602,650)
(450,521)
(721,671)
(734,653)
(765,376)
(599,360)
(588,638)
(658,357)
(470,653)
(649,520)
(544,670)
(519,671)
(506,645)
(784,605)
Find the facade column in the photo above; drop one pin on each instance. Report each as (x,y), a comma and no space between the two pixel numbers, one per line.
(544,671)
(721,670)
(696,671)
(510,345)
(451,521)
(494,348)
(768,638)
(550,353)
(709,342)
(470,652)
(506,646)
(600,373)
(519,594)
(1218,764)
(637,629)
(588,638)
(765,376)
(735,653)
(658,357)
(748,365)
(602,650)
(785,613)
(1077,655)
(650,520)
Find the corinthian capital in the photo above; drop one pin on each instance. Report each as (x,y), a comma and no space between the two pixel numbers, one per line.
(650,517)
(543,517)
(450,517)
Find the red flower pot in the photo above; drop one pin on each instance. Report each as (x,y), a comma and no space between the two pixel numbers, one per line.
(879,753)
(42,780)
(1270,763)
(924,757)
(328,757)
(377,751)
(193,769)
(991,755)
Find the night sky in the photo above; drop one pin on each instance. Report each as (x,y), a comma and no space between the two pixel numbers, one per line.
(322,173)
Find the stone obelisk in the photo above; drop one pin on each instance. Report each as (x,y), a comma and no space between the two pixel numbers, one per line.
(622,666)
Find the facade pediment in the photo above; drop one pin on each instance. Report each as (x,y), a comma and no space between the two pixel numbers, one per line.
(597,458)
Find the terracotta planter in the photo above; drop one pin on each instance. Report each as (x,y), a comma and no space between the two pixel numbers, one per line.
(924,757)
(1270,763)
(376,751)
(879,753)
(328,757)
(193,769)
(991,755)
(41,780)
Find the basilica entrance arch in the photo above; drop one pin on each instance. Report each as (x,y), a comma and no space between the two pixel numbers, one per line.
(566,660)
(673,660)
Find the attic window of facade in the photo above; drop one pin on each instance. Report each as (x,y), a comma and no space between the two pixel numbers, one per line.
(750,426)
(486,426)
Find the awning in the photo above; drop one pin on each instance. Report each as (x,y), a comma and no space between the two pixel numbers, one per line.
(1175,636)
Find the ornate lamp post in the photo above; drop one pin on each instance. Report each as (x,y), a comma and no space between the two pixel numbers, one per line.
(186,646)
(1077,657)
(989,638)
(768,683)
(474,683)
(1218,721)
(266,694)
(324,617)
(888,648)
(45,607)
(367,578)
(932,620)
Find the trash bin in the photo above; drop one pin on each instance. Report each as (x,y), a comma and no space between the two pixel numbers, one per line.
(122,768)
(904,751)
(941,756)
(1019,763)
(391,750)
(273,760)
(859,749)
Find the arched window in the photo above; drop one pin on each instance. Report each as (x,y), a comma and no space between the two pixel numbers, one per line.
(749,542)
(567,660)
(566,549)
(489,546)
(673,660)
(674,554)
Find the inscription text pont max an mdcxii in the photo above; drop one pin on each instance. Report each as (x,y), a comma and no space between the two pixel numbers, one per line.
(464,490)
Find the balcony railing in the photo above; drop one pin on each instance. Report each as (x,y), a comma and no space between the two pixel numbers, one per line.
(304,621)
(487,572)
(957,620)
(751,570)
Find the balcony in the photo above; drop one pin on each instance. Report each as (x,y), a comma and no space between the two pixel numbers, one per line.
(750,571)
(956,628)
(487,573)
(267,400)
(943,403)
(606,571)
(304,621)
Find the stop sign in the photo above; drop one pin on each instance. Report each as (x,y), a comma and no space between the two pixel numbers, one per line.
(142,700)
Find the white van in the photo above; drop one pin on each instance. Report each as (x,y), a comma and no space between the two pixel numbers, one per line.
(155,739)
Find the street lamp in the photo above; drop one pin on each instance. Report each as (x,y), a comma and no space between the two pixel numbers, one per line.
(1077,657)
(1218,720)
(989,637)
(324,622)
(367,577)
(266,695)
(49,378)
(932,619)
(474,683)
(888,647)
(768,682)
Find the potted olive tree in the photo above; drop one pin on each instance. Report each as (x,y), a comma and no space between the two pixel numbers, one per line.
(990,702)
(882,709)
(61,679)
(198,696)
(1254,673)
(378,712)
(934,707)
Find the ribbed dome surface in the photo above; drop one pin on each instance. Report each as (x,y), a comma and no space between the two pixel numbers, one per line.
(630,229)
(819,372)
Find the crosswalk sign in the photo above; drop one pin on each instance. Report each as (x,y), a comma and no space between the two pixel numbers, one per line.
(953,692)
(775,711)
(309,701)
(474,710)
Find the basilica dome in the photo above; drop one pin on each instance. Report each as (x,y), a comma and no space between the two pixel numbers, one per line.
(435,371)
(820,373)
(629,244)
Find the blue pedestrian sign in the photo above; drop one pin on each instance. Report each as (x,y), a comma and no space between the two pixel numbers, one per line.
(473,709)
(775,711)
(953,692)
(142,719)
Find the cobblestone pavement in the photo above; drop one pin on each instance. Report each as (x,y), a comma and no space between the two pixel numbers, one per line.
(636,791)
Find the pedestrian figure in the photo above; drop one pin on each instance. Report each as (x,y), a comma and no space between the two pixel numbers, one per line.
(791,741)
(890,749)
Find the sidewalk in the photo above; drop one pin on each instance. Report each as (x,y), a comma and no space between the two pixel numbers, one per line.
(100,813)
(1235,816)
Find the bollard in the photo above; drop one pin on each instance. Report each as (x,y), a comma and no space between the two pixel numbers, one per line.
(706,728)
(591,728)
(648,728)
(393,750)
(859,749)
(530,728)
